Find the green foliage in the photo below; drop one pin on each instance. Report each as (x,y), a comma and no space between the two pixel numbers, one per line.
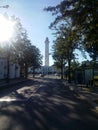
(83,14)
(21,50)
(75,64)
(34,56)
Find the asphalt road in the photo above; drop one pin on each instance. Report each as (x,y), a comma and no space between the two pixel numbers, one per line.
(44,104)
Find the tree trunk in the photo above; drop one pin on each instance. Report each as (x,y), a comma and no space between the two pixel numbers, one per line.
(62,69)
(93,73)
(26,71)
(69,65)
(33,72)
(8,69)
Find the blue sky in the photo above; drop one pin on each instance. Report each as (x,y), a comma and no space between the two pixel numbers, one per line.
(33,19)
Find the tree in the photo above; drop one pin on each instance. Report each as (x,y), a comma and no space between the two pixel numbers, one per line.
(68,34)
(64,46)
(25,53)
(83,15)
(34,58)
(59,54)
(21,50)
(67,44)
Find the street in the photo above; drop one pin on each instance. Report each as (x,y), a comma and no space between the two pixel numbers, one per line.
(44,104)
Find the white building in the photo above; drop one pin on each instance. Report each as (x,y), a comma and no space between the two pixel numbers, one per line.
(45,70)
(3,68)
(14,69)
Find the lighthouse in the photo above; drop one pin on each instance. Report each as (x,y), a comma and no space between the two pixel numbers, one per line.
(47,52)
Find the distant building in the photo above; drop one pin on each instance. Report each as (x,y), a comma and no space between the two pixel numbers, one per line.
(43,70)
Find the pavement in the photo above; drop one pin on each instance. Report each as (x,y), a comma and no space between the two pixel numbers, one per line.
(91,95)
(88,93)
(52,106)
(4,83)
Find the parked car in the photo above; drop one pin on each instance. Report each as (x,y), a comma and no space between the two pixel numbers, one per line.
(41,75)
(57,74)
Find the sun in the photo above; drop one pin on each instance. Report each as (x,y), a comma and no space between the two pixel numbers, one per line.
(6,29)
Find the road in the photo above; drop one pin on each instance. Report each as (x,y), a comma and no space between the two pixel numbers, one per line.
(44,104)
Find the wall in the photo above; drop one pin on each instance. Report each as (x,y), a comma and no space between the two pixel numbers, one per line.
(14,69)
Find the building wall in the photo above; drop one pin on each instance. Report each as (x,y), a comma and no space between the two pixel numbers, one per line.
(88,75)
(85,76)
(14,69)
(3,70)
(43,70)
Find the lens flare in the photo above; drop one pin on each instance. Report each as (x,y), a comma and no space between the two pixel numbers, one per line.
(6,29)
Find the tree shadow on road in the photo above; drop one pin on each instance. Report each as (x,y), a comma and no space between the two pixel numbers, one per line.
(48,109)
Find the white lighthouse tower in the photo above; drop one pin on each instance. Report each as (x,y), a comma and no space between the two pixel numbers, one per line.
(47,52)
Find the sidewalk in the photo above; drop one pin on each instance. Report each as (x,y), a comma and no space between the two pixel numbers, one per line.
(4,83)
(91,95)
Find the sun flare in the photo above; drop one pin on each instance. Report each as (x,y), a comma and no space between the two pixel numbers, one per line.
(6,29)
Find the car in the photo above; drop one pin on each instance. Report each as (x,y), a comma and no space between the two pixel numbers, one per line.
(41,75)
(57,74)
